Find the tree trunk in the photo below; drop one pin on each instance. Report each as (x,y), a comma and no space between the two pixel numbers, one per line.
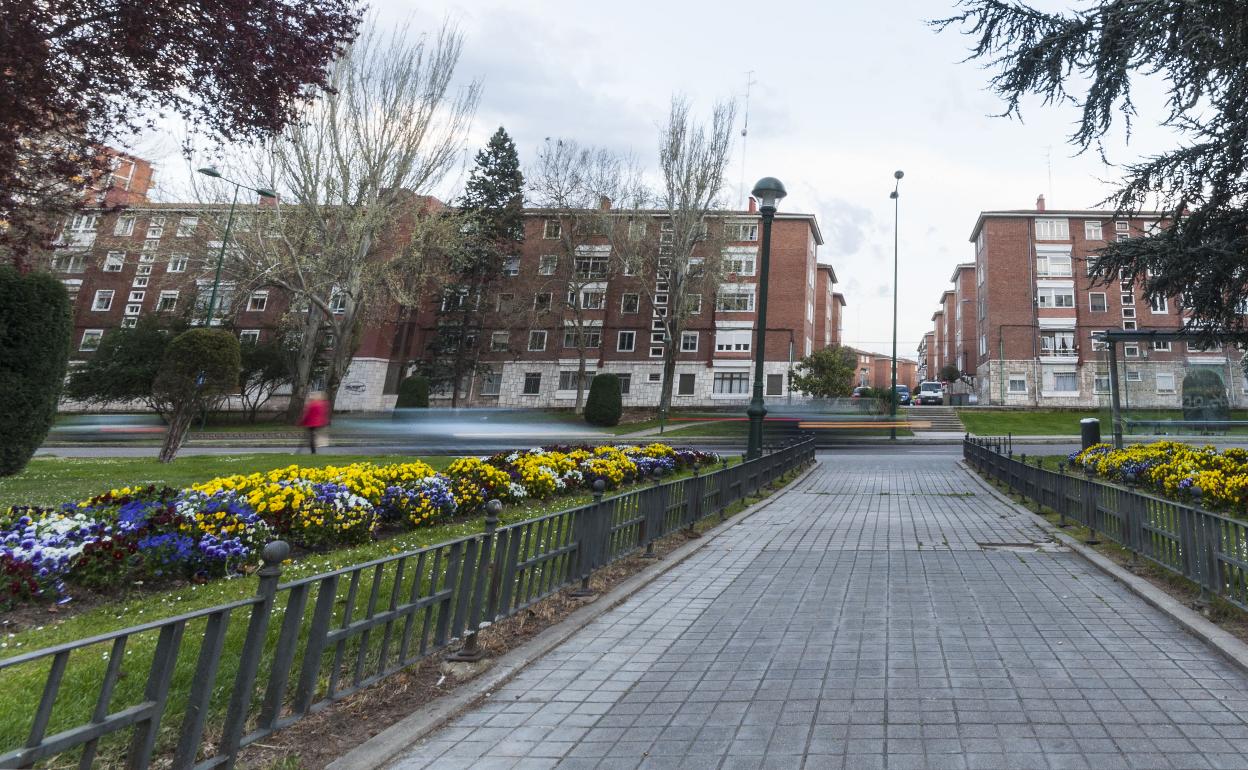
(301,381)
(179,424)
(669,371)
(580,376)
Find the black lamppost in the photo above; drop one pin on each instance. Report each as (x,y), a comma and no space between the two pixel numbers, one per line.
(768,193)
(225,238)
(896,196)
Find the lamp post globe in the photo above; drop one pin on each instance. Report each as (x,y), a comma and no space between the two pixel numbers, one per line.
(768,191)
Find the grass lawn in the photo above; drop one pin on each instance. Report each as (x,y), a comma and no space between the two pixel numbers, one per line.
(55,480)
(1054,422)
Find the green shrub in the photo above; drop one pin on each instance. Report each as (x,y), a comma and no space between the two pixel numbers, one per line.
(1204,396)
(413,393)
(35,327)
(604,405)
(199,366)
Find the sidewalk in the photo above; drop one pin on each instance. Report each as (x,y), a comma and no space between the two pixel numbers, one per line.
(886,613)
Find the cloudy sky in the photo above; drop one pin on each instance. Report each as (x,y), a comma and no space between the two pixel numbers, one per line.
(844,95)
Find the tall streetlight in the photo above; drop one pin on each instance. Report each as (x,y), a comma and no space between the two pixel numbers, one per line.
(892,401)
(225,239)
(768,193)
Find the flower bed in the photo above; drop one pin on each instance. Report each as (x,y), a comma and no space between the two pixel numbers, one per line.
(1179,471)
(217,528)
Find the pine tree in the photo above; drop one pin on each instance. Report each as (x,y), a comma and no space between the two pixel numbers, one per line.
(492,208)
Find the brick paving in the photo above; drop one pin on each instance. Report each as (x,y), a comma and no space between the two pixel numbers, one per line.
(865,620)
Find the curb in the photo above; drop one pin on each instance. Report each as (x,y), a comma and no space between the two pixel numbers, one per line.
(1234,650)
(390,742)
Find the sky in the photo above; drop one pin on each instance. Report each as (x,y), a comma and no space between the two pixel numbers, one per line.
(844,94)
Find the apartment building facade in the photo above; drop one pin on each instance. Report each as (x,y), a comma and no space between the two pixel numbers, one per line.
(1037,309)
(120,264)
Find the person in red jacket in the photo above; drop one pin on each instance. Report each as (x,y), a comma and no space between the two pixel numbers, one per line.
(315,417)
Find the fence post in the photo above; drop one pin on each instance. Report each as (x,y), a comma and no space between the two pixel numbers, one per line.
(471,651)
(722,501)
(653,519)
(693,502)
(588,536)
(253,648)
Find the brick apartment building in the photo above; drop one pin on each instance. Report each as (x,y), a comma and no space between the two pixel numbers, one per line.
(875,370)
(1035,311)
(143,258)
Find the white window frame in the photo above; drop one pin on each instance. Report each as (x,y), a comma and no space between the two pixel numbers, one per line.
(741,230)
(685,338)
(730,383)
(535,334)
(253,335)
(114,261)
(1162,346)
(1162,376)
(741,294)
(168,294)
(624,303)
(1134,375)
(156,227)
(491,383)
(632,341)
(1052,229)
(258,302)
(500,342)
(551,229)
(1013,378)
(511,266)
(1104,302)
(93,334)
(1047,298)
(1092,231)
(1045,267)
(124,225)
(187,227)
(548,264)
(740,260)
(177,263)
(536,378)
(1159,304)
(107,295)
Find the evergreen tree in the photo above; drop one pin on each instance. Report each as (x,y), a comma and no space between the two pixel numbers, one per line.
(492,209)
(1091,57)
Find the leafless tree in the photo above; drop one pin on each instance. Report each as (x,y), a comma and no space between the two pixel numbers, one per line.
(352,173)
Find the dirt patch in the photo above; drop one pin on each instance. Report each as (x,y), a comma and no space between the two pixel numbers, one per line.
(314,742)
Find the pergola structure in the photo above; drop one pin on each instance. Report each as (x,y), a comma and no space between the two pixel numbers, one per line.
(1112,337)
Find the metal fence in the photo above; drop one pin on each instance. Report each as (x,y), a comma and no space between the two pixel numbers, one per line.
(166,687)
(1207,548)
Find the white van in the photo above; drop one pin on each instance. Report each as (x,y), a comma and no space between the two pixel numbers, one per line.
(930,392)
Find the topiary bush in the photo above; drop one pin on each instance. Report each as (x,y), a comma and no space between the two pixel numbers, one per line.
(604,404)
(413,393)
(35,329)
(199,366)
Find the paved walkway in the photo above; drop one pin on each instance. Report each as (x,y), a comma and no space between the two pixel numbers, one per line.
(865,620)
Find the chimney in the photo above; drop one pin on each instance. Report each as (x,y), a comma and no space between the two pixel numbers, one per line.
(1040,203)
(268,201)
(604,203)
(753,205)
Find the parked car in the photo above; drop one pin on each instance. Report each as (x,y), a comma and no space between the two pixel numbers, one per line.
(931,392)
(859,391)
(903,395)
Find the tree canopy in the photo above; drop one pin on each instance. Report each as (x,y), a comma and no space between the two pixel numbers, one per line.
(78,75)
(826,373)
(1093,58)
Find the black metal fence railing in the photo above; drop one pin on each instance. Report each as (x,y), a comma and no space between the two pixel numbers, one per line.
(167,686)
(1207,548)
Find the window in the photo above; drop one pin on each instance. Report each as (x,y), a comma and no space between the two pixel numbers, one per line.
(656,352)
(503,302)
(740,261)
(626,382)
(186,226)
(1127,299)
(177,263)
(70,263)
(1049,298)
(168,301)
(338,302)
(689,342)
(654,377)
(593,299)
(1200,347)
(453,299)
(693,304)
(156,227)
(567,380)
(1098,341)
(636,229)
(541,301)
(129,322)
(551,229)
(72,287)
(91,339)
(249,336)
(630,303)
(532,383)
(82,223)
(626,342)
(775,384)
(1100,382)
(733,340)
(1165,382)
(103,300)
(511,266)
(983,344)
(537,340)
(547,264)
(258,301)
(738,298)
(1097,302)
(142,270)
(746,230)
(667,232)
(491,383)
(114,261)
(124,225)
(1131,351)
(1158,304)
(1065,382)
(1057,343)
(140,281)
(1128,326)
(1128,312)
(1052,264)
(1091,230)
(697,267)
(500,341)
(1133,375)
(731,383)
(684,385)
(1161,345)
(590,267)
(1018,383)
(591,338)
(1052,229)
(1122,230)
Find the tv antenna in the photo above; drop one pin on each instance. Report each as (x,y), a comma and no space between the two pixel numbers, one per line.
(745,131)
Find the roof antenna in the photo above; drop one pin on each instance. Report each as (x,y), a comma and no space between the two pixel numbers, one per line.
(745,132)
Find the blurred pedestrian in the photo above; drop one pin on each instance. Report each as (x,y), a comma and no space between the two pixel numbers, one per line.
(315,417)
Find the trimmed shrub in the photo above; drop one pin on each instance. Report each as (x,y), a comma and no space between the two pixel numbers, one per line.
(35,327)
(413,393)
(199,366)
(604,404)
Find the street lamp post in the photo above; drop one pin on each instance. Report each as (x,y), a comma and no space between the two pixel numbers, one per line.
(892,401)
(768,193)
(225,238)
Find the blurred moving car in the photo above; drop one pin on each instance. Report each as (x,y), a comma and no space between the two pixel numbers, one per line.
(106,427)
(931,392)
(859,391)
(903,395)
